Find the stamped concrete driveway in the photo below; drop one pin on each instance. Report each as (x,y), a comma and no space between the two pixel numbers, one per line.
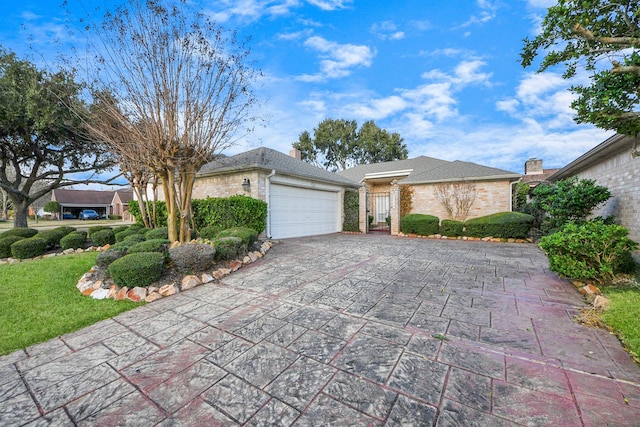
(340,330)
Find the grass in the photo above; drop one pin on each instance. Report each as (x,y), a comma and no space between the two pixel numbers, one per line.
(623,316)
(39,300)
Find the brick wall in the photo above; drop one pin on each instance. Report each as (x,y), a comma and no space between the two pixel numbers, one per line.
(230,185)
(620,173)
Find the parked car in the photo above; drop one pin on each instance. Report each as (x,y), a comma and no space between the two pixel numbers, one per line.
(88,214)
(68,215)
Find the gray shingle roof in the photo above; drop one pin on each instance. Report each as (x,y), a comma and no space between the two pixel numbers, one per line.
(268,159)
(83,197)
(427,170)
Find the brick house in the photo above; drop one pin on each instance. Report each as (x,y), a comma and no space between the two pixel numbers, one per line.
(493,187)
(615,164)
(103,202)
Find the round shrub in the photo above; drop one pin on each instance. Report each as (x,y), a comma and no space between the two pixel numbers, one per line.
(192,257)
(228,247)
(153,245)
(592,251)
(125,244)
(139,269)
(135,238)
(157,233)
(105,258)
(210,232)
(20,231)
(5,245)
(28,248)
(65,229)
(74,240)
(505,225)
(248,235)
(136,227)
(103,237)
(451,228)
(420,224)
(120,228)
(52,237)
(95,229)
(120,236)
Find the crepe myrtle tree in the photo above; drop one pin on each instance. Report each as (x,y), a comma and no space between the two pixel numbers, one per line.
(43,139)
(603,38)
(175,89)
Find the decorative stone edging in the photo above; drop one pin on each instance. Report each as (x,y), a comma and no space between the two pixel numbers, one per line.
(89,285)
(483,239)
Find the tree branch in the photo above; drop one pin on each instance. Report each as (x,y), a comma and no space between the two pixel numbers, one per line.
(621,41)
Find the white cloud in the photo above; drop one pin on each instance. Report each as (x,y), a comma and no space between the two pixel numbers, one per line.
(541,3)
(337,60)
(251,10)
(487,13)
(387,30)
(330,4)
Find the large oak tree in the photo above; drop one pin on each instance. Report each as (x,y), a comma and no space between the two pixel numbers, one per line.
(603,38)
(43,141)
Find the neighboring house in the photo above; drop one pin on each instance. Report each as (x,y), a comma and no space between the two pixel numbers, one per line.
(303,200)
(493,187)
(614,164)
(120,202)
(103,202)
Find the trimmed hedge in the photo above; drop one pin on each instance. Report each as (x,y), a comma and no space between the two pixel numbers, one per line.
(210,232)
(228,247)
(504,225)
(5,245)
(152,245)
(126,244)
(28,248)
(74,240)
(103,237)
(229,212)
(120,236)
(105,258)
(247,234)
(423,225)
(52,237)
(65,229)
(135,238)
(20,231)
(451,228)
(590,251)
(192,257)
(139,269)
(157,233)
(120,228)
(96,228)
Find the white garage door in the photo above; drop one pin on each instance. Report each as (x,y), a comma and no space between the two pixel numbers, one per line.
(297,212)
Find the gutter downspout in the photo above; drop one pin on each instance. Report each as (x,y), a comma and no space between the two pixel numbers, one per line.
(267,196)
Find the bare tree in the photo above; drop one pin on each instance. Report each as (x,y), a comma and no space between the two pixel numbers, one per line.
(177,93)
(457,198)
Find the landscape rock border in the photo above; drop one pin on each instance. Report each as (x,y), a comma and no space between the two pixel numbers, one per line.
(95,288)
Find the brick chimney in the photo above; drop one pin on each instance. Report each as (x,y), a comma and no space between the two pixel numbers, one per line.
(533,166)
(296,154)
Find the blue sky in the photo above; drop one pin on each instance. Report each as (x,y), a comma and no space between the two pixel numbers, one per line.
(443,74)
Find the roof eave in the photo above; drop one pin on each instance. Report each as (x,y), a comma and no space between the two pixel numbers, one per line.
(510,177)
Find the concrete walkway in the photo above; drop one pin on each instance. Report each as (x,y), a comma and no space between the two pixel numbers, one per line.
(340,330)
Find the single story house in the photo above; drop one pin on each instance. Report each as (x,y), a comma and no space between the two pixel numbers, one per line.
(615,164)
(103,202)
(303,199)
(492,187)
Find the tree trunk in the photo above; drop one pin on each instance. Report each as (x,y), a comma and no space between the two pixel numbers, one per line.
(186,190)
(168,185)
(141,204)
(20,212)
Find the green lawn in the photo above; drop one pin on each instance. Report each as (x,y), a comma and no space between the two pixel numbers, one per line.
(624,316)
(39,300)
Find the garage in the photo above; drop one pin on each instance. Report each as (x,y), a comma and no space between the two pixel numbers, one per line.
(297,211)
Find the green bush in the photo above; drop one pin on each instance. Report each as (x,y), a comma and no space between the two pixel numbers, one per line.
(136,227)
(125,244)
(105,258)
(74,240)
(157,233)
(234,211)
(52,237)
(247,235)
(504,225)
(65,229)
(95,229)
(192,257)
(135,238)
(451,228)
(210,232)
(228,247)
(351,211)
(20,231)
(423,225)
(120,228)
(139,269)
(592,250)
(120,236)
(152,245)
(103,237)
(111,216)
(28,248)
(161,212)
(5,245)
